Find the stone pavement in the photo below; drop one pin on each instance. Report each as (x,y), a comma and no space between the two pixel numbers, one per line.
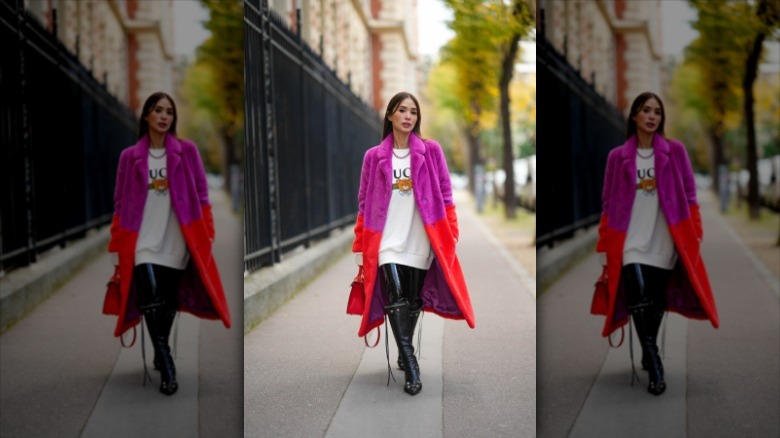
(307,374)
(721,383)
(62,373)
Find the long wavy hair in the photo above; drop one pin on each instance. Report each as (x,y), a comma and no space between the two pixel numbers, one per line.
(637,106)
(392,107)
(151,101)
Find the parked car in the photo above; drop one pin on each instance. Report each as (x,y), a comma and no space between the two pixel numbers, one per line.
(525,182)
(769,182)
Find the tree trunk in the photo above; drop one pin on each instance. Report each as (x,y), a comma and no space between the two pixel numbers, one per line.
(718,157)
(229,158)
(474,155)
(751,70)
(507,68)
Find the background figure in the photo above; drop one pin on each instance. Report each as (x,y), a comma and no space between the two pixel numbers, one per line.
(407,229)
(162,233)
(650,234)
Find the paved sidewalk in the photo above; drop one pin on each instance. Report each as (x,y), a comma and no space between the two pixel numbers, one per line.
(63,374)
(721,383)
(307,374)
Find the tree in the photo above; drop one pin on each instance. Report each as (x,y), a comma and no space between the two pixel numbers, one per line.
(722,29)
(472,54)
(515,27)
(729,48)
(766,20)
(487,36)
(223,54)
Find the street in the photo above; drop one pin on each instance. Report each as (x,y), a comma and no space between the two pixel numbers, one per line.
(64,373)
(307,374)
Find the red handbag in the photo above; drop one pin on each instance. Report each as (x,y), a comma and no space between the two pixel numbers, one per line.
(357,303)
(112,301)
(357,295)
(600,301)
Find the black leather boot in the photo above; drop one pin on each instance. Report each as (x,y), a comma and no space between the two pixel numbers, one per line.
(153,282)
(654,321)
(646,288)
(167,322)
(156,319)
(414,315)
(403,330)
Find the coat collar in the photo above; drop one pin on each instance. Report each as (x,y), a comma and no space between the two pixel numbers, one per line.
(417,151)
(660,151)
(172,146)
(173,150)
(415,144)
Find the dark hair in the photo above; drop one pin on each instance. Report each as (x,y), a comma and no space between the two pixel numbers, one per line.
(637,105)
(151,101)
(392,107)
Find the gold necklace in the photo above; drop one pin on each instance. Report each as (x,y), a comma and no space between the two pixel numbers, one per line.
(652,151)
(399,156)
(155,156)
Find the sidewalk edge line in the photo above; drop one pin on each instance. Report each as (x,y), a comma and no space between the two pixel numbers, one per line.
(514,265)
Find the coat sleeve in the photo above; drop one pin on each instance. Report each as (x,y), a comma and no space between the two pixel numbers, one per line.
(201,186)
(689,185)
(445,185)
(446,190)
(605,194)
(357,244)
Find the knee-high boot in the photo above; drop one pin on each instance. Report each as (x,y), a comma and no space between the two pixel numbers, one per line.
(402,322)
(644,320)
(156,320)
(647,320)
(414,316)
(167,322)
(152,281)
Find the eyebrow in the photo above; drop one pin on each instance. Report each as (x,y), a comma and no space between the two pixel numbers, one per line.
(404,107)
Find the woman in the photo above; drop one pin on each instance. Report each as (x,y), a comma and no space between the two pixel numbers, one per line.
(405,234)
(161,235)
(650,233)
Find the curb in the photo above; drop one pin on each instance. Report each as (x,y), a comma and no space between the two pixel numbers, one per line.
(553,262)
(24,288)
(268,289)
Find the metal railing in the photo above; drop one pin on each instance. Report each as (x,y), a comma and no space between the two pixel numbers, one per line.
(61,134)
(576,128)
(306,134)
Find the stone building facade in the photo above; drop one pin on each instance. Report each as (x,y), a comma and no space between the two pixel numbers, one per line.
(615,44)
(128,44)
(371,44)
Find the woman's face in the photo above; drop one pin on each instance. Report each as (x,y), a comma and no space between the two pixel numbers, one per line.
(405,116)
(649,116)
(160,117)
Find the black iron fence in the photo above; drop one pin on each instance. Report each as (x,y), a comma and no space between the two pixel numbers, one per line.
(576,128)
(61,133)
(306,134)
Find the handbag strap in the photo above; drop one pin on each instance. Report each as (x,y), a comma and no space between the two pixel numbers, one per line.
(122,339)
(378,337)
(622,336)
